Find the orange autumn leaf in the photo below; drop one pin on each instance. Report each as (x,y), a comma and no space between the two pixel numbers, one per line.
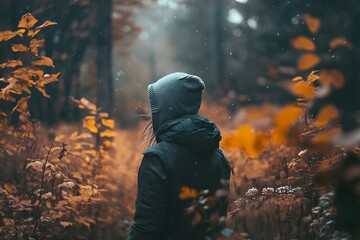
(196,219)
(279,135)
(303,89)
(87,104)
(303,43)
(247,140)
(108,123)
(313,23)
(27,21)
(324,165)
(32,33)
(108,144)
(90,125)
(307,61)
(337,79)
(286,117)
(47,78)
(21,32)
(65,224)
(326,114)
(7,35)
(10,188)
(19,48)
(326,137)
(261,141)
(46,24)
(332,77)
(43,61)
(186,193)
(339,42)
(43,91)
(312,77)
(35,44)
(21,105)
(107,133)
(11,63)
(298,78)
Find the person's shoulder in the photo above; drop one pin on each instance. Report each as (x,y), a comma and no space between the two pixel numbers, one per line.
(162,150)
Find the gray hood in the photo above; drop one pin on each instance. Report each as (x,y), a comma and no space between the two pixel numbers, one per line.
(173,96)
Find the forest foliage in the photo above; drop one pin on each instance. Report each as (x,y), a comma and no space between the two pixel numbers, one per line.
(56,191)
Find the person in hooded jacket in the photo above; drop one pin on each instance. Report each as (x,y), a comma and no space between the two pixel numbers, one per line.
(186,153)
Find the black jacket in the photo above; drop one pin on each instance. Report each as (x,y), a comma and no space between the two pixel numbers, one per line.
(187,154)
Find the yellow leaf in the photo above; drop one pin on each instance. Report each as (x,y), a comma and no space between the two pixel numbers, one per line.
(48,78)
(196,219)
(107,133)
(43,91)
(327,136)
(108,123)
(46,24)
(303,89)
(326,114)
(7,35)
(324,165)
(26,89)
(86,191)
(74,135)
(32,33)
(286,117)
(90,117)
(303,43)
(21,105)
(84,221)
(186,193)
(48,204)
(247,140)
(86,103)
(43,61)
(261,140)
(31,74)
(313,23)
(307,61)
(35,44)
(298,78)
(11,63)
(27,21)
(103,115)
(21,32)
(19,48)
(90,125)
(108,144)
(339,42)
(65,224)
(312,77)
(59,138)
(10,188)
(332,77)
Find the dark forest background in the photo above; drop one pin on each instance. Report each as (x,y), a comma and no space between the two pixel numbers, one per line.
(110,50)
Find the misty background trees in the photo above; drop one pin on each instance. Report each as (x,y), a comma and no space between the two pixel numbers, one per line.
(108,51)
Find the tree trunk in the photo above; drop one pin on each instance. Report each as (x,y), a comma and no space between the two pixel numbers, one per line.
(104,55)
(219,40)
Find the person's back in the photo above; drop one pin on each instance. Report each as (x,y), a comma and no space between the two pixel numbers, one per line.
(186,155)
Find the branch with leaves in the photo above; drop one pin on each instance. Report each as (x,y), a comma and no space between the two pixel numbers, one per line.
(26,73)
